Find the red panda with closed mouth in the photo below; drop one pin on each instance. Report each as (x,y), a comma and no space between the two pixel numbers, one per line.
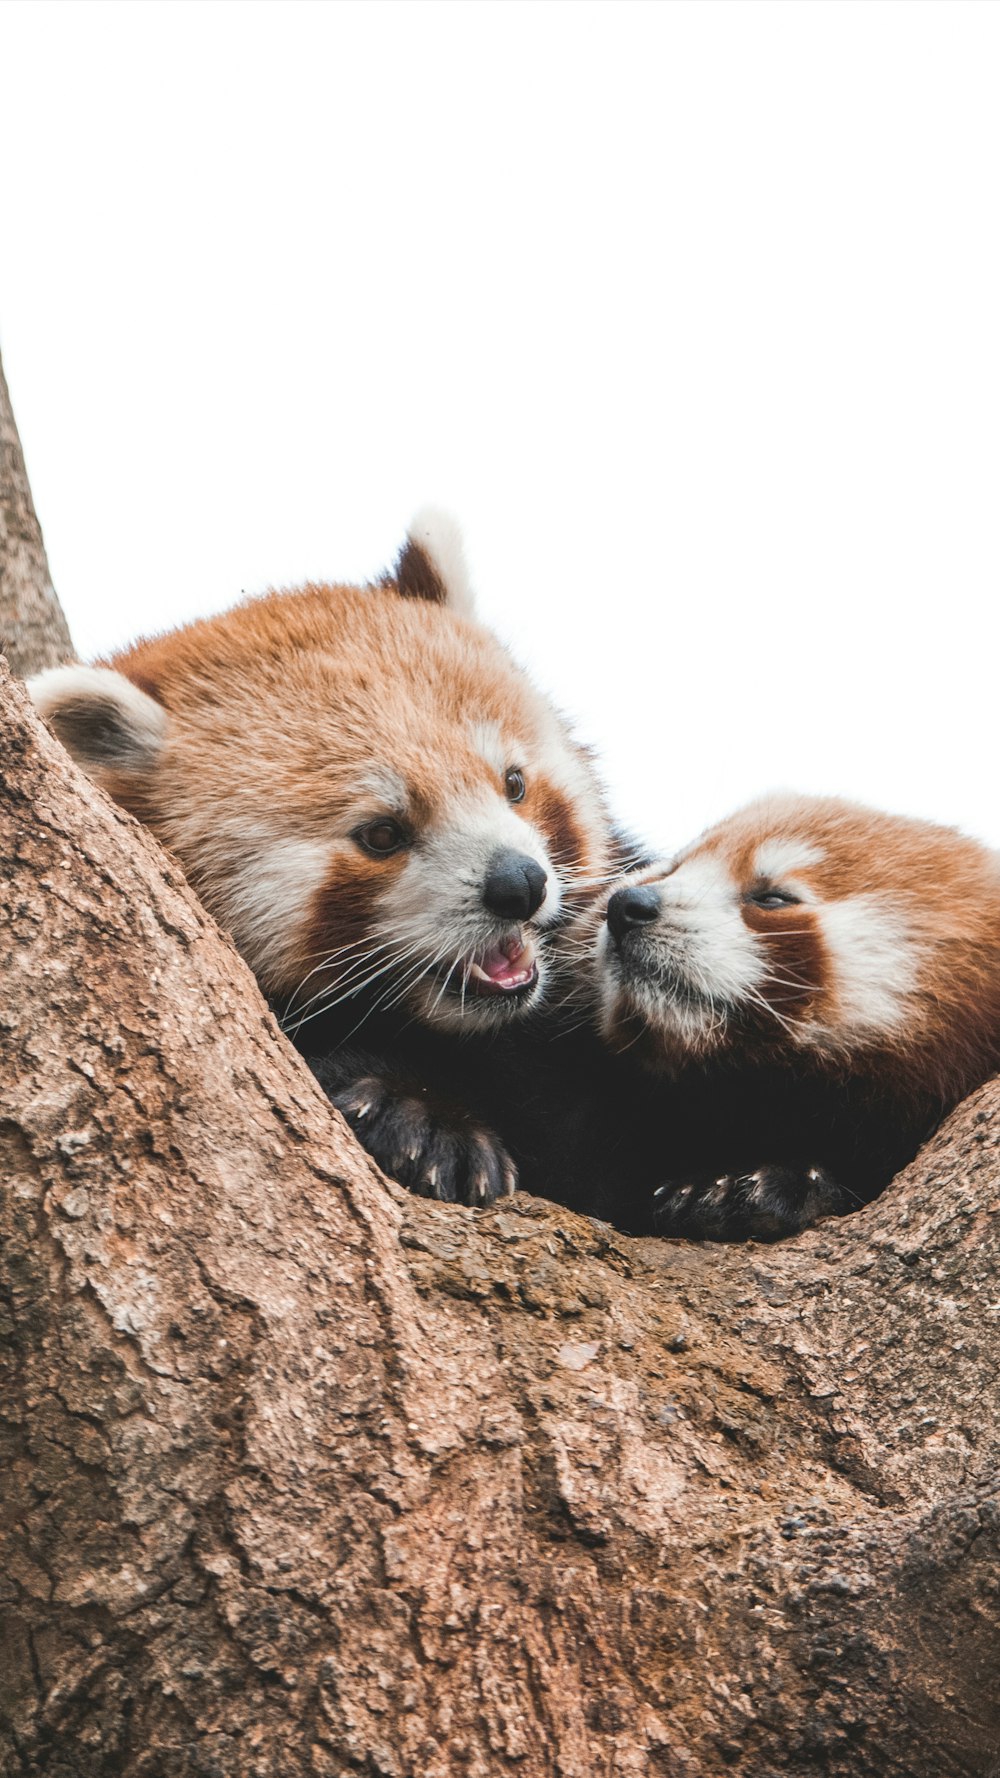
(816,984)
(382,810)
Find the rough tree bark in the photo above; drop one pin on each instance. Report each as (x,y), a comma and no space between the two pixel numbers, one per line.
(300,1476)
(33,631)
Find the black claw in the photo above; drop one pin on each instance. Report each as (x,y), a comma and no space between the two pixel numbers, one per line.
(770,1203)
(435,1153)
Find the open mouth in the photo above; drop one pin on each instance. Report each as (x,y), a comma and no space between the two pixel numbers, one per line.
(509,968)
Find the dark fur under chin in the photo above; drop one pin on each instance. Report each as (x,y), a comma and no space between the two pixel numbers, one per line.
(543,1096)
(481,1015)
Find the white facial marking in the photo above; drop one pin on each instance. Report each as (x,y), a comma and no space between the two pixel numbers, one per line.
(457,856)
(777,857)
(490,745)
(267,893)
(384,786)
(701,906)
(702,957)
(874,963)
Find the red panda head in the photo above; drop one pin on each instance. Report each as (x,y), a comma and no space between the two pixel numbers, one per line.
(806,928)
(360,783)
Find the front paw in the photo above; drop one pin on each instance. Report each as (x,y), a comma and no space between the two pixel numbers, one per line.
(769,1204)
(434,1151)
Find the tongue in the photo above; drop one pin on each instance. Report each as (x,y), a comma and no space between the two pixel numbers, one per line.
(509,964)
(503,963)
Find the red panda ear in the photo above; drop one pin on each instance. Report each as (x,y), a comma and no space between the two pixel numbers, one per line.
(431,564)
(102,719)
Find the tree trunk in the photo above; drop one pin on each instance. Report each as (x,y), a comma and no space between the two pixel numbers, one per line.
(302,1476)
(33,631)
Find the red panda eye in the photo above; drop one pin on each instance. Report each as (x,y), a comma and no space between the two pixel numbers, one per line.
(772,898)
(381,837)
(514,785)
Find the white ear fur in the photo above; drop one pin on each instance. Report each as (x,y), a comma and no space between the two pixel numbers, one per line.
(438,535)
(100,717)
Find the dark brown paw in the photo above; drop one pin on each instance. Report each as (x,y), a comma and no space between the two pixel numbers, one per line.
(432,1153)
(769,1204)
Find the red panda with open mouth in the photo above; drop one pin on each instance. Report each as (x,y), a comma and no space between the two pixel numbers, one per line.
(385,814)
(815,985)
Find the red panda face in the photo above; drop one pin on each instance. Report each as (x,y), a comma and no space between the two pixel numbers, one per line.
(364,789)
(808,927)
(457,847)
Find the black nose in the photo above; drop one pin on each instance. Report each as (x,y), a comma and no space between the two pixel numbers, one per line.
(637,906)
(514,886)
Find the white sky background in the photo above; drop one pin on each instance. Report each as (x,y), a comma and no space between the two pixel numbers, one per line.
(689,312)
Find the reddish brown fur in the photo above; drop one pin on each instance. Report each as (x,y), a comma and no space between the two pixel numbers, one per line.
(566,834)
(800,964)
(281,710)
(942,886)
(341,922)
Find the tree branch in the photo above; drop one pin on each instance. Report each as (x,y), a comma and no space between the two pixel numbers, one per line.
(33,631)
(300,1475)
